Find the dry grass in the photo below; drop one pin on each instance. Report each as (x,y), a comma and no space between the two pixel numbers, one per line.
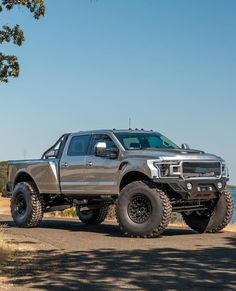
(231,227)
(70,212)
(4,206)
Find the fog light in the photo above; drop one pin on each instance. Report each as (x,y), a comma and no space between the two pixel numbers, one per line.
(210,188)
(219,185)
(189,186)
(199,189)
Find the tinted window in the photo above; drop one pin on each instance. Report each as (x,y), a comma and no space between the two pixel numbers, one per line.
(79,145)
(102,138)
(133,140)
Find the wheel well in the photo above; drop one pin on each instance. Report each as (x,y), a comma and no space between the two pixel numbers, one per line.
(131,177)
(23,177)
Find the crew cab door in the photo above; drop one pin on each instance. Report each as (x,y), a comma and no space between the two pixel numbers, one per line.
(73,164)
(102,173)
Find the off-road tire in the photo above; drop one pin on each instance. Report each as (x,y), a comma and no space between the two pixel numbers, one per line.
(149,198)
(215,220)
(94,216)
(26,193)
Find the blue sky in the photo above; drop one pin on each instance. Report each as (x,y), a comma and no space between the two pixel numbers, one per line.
(169,65)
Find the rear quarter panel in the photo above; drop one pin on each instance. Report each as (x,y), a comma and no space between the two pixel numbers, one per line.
(45,174)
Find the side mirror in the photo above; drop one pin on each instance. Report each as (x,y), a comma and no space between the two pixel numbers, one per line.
(184,146)
(100,149)
(51,154)
(113,153)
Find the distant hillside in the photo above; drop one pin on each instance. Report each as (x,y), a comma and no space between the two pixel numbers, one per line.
(3,175)
(231,187)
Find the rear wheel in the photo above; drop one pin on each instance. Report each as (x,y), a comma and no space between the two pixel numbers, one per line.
(143,210)
(217,216)
(27,205)
(93,216)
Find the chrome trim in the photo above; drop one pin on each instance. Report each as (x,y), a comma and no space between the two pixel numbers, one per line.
(180,172)
(155,171)
(53,166)
(226,170)
(84,183)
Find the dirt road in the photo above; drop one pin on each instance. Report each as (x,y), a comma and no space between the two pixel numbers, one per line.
(63,254)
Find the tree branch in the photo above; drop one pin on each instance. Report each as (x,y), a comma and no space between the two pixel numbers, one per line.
(36,7)
(9,67)
(15,35)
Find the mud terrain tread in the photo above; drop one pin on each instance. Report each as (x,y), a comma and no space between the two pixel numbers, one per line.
(229,213)
(167,210)
(37,203)
(102,214)
(167,214)
(226,220)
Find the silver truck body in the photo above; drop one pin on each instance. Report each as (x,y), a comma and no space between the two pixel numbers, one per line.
(45,173)
(95,175)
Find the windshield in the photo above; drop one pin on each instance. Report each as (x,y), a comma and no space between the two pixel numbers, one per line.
(144,140)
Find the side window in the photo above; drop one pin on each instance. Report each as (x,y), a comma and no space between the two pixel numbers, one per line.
(79,145)
(102,138)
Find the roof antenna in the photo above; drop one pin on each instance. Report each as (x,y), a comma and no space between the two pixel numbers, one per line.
(129,123)
(25,153)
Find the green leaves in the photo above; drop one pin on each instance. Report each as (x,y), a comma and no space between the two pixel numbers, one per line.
(36,7)
(15,35)
(9,66)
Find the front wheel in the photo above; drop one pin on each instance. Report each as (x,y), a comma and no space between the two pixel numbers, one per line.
(143,210)
(217,216)
(27,205)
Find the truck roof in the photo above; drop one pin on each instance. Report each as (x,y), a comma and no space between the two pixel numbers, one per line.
(114,131)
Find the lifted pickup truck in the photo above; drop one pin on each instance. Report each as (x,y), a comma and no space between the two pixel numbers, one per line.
(143,173)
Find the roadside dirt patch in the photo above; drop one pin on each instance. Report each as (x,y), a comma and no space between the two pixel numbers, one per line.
(4,206)
(11,250)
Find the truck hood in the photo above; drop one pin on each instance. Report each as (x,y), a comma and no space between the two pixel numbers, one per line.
(172,154)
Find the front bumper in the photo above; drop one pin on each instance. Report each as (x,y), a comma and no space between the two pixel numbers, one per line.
(201,188)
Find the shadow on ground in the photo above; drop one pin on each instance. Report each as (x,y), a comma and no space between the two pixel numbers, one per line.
(108,269)
(110,229)
(147,268)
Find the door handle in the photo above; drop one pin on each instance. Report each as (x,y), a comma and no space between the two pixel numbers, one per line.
(65,165)
(89,164)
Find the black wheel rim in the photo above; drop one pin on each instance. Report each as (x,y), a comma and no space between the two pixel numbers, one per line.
(139,209)
(21,205)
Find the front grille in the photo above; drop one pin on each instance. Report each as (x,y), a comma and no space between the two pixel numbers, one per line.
(201,169)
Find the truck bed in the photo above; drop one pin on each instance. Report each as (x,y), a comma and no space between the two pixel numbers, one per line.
(45,174)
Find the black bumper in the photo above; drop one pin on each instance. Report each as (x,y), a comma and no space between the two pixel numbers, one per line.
(200,188)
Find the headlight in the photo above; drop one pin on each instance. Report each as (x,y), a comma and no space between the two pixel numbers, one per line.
(168,169)
(164,170)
